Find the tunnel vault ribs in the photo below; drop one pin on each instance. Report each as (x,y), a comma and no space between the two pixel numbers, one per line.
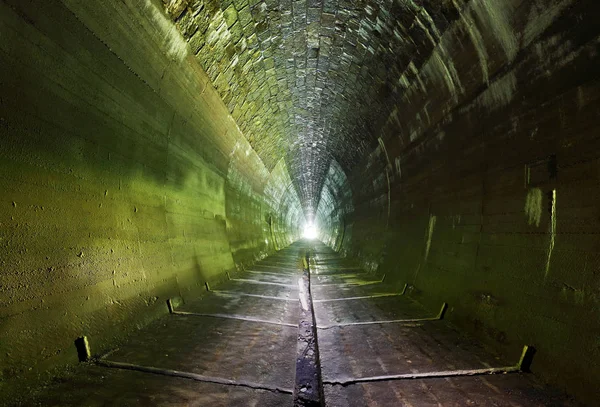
(314,80)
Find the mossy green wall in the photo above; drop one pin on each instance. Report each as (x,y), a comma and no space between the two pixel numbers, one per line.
(121,185)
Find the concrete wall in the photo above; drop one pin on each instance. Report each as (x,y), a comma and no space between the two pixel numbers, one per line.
(281,197)
(121,176)
(335,206)
(264,216)
(493,162)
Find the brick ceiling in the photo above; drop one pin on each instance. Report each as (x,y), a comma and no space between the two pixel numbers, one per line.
(312,80)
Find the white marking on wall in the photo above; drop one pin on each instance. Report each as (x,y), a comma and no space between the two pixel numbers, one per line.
(456,221)
(403,81)
(440,65)
(389,196)
(427,32)
(552,233)
(398,167)
(413,135)
(387,175)
(235,147)
(541,15)
(432,220)
(500,92)
(382,145)
(477,41)
(175,45)
(496,16)
(413,68)
(533,206)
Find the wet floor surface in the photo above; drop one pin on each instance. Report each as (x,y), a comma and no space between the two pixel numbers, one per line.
(409,340)
(245,332)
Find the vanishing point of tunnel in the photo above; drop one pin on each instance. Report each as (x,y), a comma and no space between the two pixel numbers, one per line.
(300,203)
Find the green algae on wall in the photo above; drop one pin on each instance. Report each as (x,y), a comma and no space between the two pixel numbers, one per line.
(114,161)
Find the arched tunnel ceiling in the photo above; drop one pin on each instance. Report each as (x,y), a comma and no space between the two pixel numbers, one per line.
(312,80)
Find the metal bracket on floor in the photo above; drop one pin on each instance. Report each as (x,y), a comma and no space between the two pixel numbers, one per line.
(521,366)
(276,267)
(245,280)
(358,284)
(366,297)
(340,275)
(238,317)
(443,311)
(271,273)
(326,268)
(438,317)
(188,375)
(245,294)
(239,294)
(83,349)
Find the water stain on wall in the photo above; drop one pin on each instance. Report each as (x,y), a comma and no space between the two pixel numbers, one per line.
(533,206)
(432,220)
(552,232)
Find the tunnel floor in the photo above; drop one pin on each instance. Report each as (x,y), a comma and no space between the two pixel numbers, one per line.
(238,346)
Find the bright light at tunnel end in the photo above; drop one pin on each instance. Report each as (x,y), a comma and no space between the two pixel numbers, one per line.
(310,231)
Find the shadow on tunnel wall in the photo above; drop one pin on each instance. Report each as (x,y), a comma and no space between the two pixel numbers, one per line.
(261,218)
(484,196)
(114,179)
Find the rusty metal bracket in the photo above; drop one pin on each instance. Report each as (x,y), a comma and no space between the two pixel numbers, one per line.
(366,297)
(276,267)
(357,284)
(192,376)
(271,273)
(245,280)
(521,366)
(101,361)
(238,317)
(242,294)
(83,349)
(438,317)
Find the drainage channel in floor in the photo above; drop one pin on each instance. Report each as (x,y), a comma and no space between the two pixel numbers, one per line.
(308,389)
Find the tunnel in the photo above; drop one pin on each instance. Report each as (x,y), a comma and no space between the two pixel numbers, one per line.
(299,202)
